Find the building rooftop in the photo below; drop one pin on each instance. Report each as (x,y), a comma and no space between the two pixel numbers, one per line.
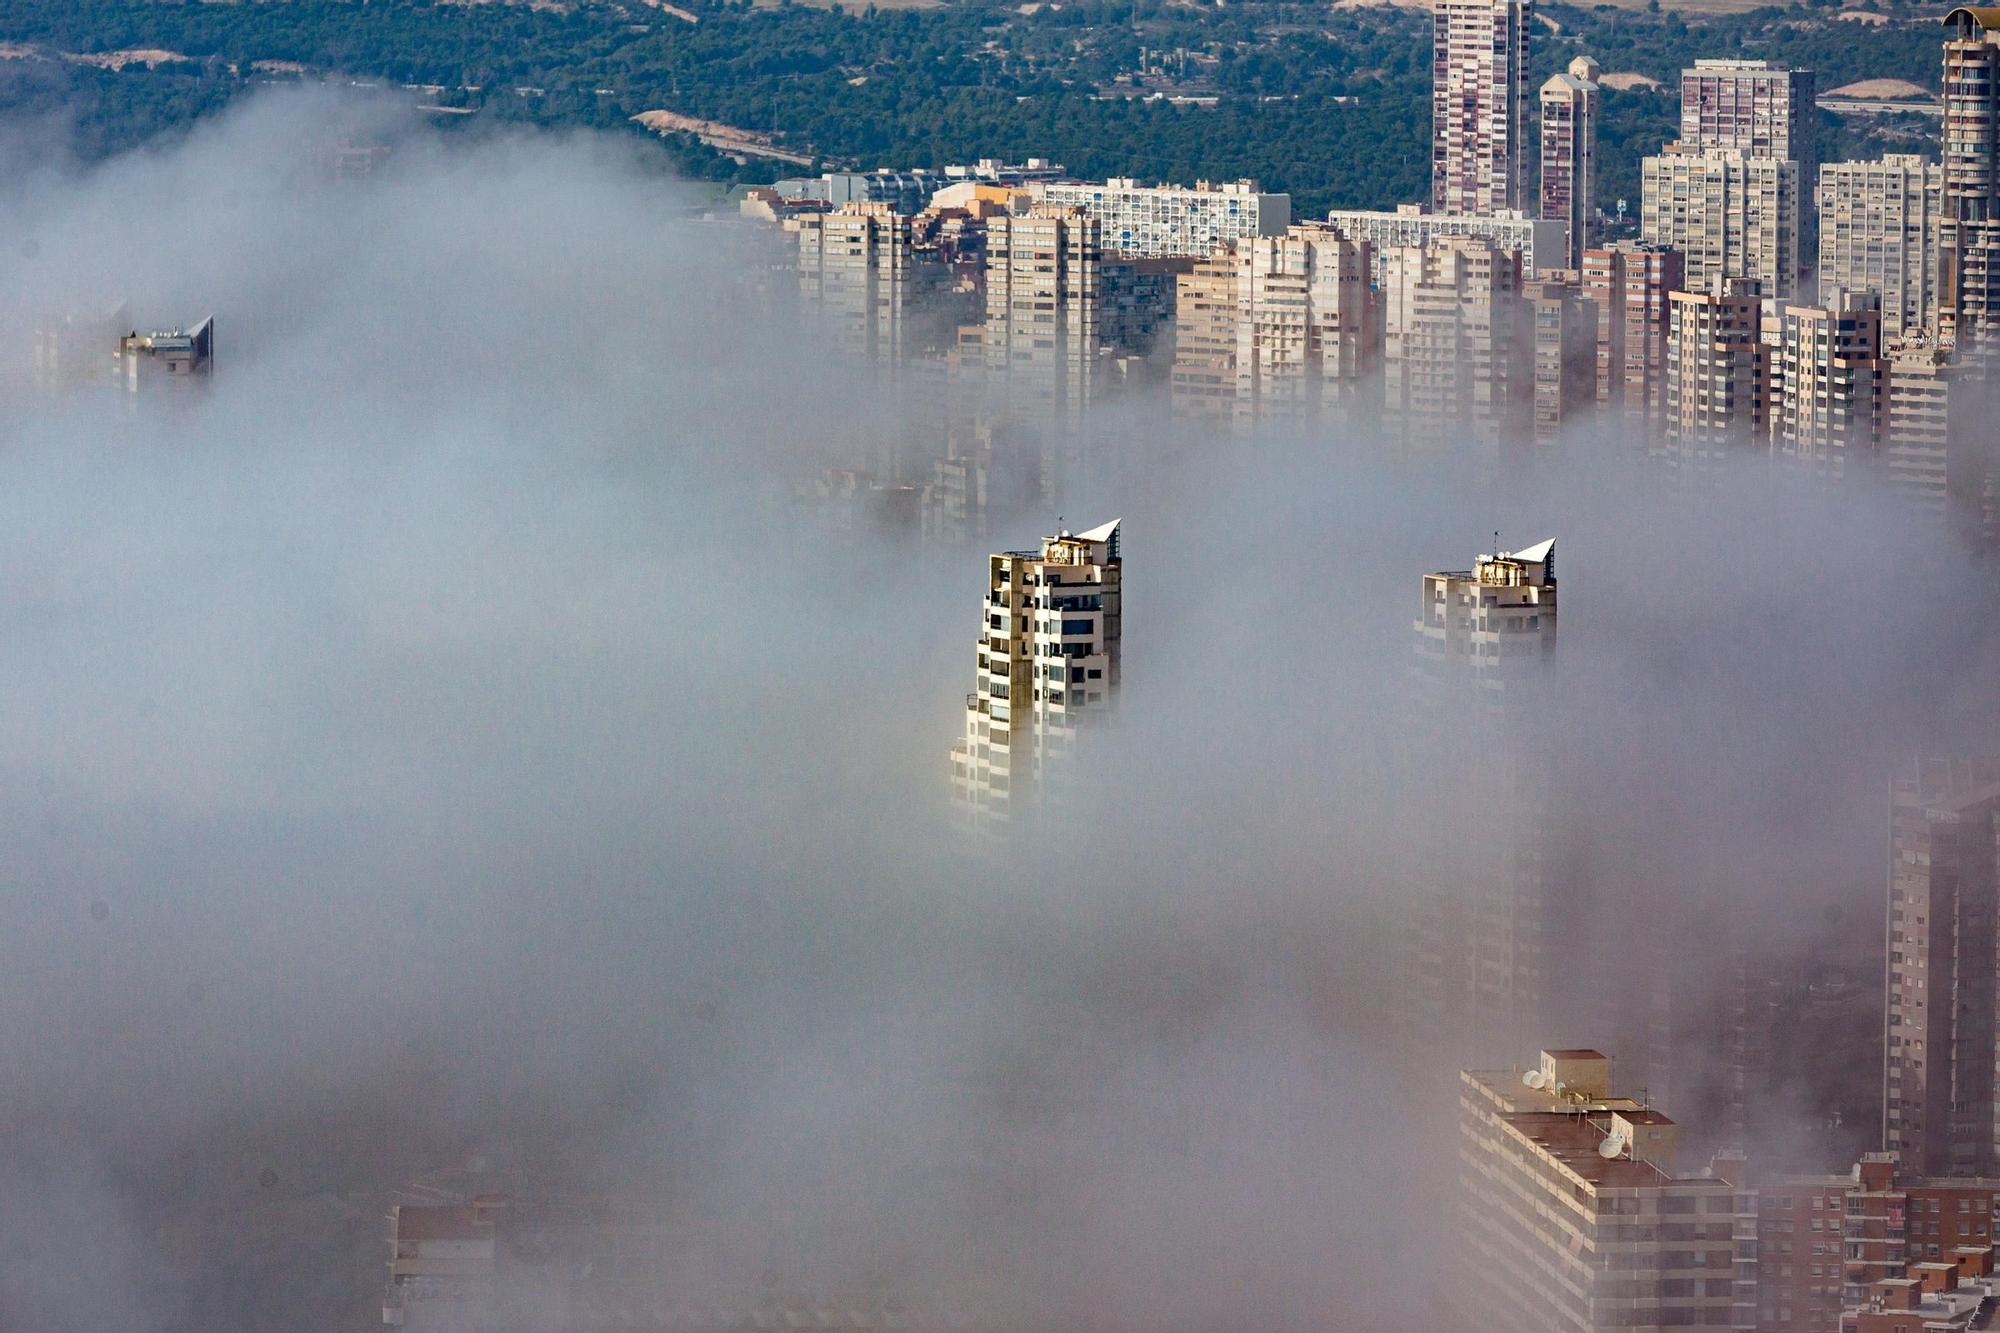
(1573,1139)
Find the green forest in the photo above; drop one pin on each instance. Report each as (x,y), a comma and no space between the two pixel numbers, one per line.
(1329,104)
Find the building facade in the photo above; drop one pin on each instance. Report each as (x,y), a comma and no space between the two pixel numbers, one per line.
(1457,348)
(1717,372)
(1542,242)
(1565,326)
(1479,105)
(1757,108)
(1170,221)
(1829,383)
(1969,241)
(1628,284)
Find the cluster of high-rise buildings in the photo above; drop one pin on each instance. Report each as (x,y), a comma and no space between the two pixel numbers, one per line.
(1839,315)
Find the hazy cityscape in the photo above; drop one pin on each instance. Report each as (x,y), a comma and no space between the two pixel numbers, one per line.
(506,833)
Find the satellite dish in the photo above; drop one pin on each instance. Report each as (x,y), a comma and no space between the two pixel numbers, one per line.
(1533,1078)
(1614,1143)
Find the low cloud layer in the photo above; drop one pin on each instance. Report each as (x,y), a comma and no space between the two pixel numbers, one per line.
(444,737)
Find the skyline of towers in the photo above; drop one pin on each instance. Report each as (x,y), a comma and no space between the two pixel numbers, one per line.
(1047,661)
(1569,154)
(1479,105)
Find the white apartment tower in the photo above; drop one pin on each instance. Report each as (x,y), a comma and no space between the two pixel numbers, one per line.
(1046,663)
(1569,154)
(1045,309)
(1479,104)
(1757,108)
(1879,228)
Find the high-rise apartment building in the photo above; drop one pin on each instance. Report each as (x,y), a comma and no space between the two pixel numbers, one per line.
(1969,240)
(1170,221)
(1879,228)
(1479,104)
(1939,1111)
(1569,154)
(1047,662)
(176,355)
(1208,312)
(1457,349)
(1275,326)
(1717,368)
(1628,283)
(1484,929)
(1829,383)
(1757,108)
(1934,456)
(1541,241)
(1576,1215)
(1564,323)
(863,281)
(1730,215)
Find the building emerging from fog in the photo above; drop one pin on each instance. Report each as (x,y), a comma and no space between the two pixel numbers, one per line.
(1485,908)
(1939,1109)
(1576,1216)
(167,354)
(1046,665)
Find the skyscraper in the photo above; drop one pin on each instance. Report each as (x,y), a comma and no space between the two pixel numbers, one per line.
(1045,309)
(1479,104)
(1939,1112)
(1576,1216)
(1564,321)
(1569,154)
(1878,227)
(1485,911)
(1969,242)
(1047,662)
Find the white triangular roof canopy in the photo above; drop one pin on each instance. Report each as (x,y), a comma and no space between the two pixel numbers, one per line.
(1536,554)
(1105,533)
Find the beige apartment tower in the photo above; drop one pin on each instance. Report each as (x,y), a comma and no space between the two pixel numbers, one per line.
(1577,1217)
(1278,327)
(1457,348)
(1046,665)
(1479,104)
(1729,214)
(1045,310)
(1879,224)
(1565,327)
(1569,154)
(1486,915)
(1717,374)
(1829,383)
